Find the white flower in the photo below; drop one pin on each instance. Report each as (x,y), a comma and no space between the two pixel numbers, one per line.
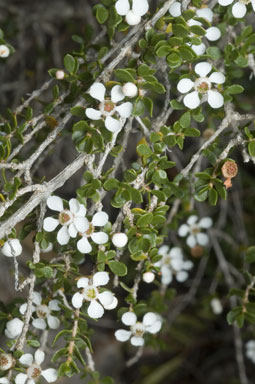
(108,108)
(120,240)
(6,361)
(4,51)
(43,312)
(133,16)
(98,220)
(72,220)
(98,301)
(148,277)
(239,8)
(212,33)
(34,370)
(129,89)
(4,380)
(12,248)
(216,306)
(203,86)
(250,350)
(193,230)
(60,75)
(151,323)
(173,263)
(13,328)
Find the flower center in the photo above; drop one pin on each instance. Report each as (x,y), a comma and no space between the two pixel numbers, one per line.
(34,371)
(167,260)
(138,329)
(195,229)
(42,311)
(65,217)
(5,361)
(90,293)
(107,108)
(202,85)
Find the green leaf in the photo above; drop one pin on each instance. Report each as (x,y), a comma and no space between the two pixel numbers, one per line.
(192,132)
(250,255)
(117,268)
(213,196)
(69,63)
(111,184)
(144,150)
(197,30)
(187,53)
(124,75)
(185,120)
(214,53)
(145,220)
(180,30)
(163,50)
(139,107)
(175,104)
(251,148)
(234,89)
(102,14)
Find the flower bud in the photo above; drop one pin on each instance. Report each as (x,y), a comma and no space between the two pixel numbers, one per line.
(4,51)
(129,89)
(13,328)
(132,19)
(11,248)
(148,277)
(6,361)
(197,251)
(119,240)
(60,75)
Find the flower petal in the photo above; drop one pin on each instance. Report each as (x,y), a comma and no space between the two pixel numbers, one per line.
(177,264)
(122,335)
(213,33)
(132,19)
(12,248)
(140,7)
(203,68)
(192,220)
(105,298)
(50,224)
(81,223)
(176,253)
(39,323)
(83,282)
(205,222)
(26,359)
(175,9)
(182,276)
(77,300)
(225,2)
(72,230)
(100,278)
(54,305)
(163,250)
(202,239)
(63,236)
(112,305)
(50,375)
(199,49)
(100,219)
(166,278)
(53,322)
(129,318)
(20,378)
(187,265)
(125,109)
(113,125)
(23,308)
(149,318)
(55,203)
(253,4)
(191,241)
(155,327)
(74,205)
(97,91)
(4,380)
(82,210)
(93,114)
(137,341)
(120,240)
(122,7)
(239,10)
(83,245)
(183,230)
(117,94)
(39,356)
(217,77)
(185,85)
(95,310)
(206,13)
(99,237)
(191,100)
(215,99)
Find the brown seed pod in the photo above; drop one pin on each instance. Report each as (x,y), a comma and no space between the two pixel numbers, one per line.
(229,170)
(197,251)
